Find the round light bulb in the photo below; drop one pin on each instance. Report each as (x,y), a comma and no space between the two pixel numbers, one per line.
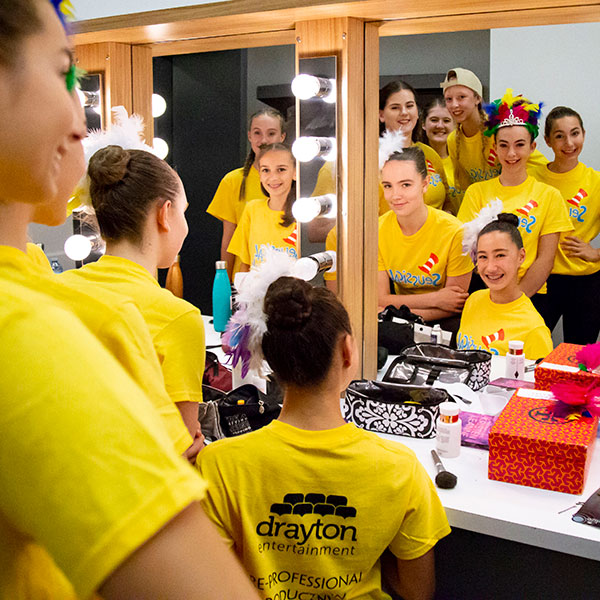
(81,96)
(159,105)
(160,147)
(332,201)
(306,209)
(305,86)
(306,148)
(305,268)
(78,247)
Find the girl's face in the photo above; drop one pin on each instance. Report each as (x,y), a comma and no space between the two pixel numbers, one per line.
(513,146)
(264,130)
(461,102)
(400,112)
(277,170)
(498,260)
(438,124)
(403,186)
(566,138)
(34,135)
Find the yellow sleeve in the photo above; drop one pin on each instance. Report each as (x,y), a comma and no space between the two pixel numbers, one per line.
(240,241)
(557,218)
(71,415)
(182,347)
(538,343)
(425,521)
(536,159)
(37,255)
(325,182)
(458,263)
(223,203)
(331,244)
(470,205)
(438,165)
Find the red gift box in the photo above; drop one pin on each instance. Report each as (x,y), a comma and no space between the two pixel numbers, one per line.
(530,446)
(562,365)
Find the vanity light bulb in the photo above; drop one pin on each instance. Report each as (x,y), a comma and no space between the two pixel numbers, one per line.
(306,148)
(78,247)
(160,148)
(306,209)
(308,267)
(159,105)
(305,86)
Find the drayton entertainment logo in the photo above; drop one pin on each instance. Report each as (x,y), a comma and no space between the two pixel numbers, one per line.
(334,510)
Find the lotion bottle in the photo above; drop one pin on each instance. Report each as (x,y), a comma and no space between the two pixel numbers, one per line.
(515,360)
(448,430)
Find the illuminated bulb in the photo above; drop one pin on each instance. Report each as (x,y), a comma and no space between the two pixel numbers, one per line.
(308,267)
(159,105)
(81,96)
(307,209)
(78,247)
(308,86)
(160,147)
(307,148)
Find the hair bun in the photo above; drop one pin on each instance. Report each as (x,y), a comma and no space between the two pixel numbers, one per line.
(509,218)
(288,304)
(108,166)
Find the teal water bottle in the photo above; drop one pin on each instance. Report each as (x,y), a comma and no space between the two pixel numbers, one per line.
(221,297)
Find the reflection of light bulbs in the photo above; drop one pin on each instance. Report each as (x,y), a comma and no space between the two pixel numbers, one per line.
(308,86)
(307,209)
(307,148)
(81,96)
(160,147)
(78,247)
(159,105)
(309,266)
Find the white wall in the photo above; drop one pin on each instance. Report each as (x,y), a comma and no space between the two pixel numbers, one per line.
(95,9)
(555,64)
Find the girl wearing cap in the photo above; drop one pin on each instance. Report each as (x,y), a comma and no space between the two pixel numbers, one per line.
(473,154)
(512,126)
(574,285)
(502,312)
(239,186)
(398,111)
(420,247)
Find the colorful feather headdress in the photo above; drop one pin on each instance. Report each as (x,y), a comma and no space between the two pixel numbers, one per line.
(512,110)
(389,143)
(64,10)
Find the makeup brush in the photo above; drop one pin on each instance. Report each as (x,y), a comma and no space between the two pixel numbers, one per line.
(444,479)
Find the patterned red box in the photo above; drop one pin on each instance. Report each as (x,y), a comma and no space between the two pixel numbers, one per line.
(529,446)
(561,365)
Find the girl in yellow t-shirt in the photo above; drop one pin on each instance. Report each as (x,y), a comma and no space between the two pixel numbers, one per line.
(239,186)
(311,471)
(502,312)
(574,284)
(398,111)
(269,223)
(420,247)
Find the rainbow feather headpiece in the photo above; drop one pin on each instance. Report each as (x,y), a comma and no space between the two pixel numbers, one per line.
(512,110)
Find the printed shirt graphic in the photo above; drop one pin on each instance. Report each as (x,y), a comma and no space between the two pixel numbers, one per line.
(580,189)
(259,229)
(309,513)
(489,326)
(421,262)
(540,209)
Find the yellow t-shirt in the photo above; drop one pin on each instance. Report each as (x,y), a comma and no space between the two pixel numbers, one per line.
(454,194)
(309,513)
(420,263)
(325,181)
(331,244)
(476,160)
(114,320)
(437,190)
(259,229)
(175,325)
(540,209)
(87,470)
(37,255)
(486,325)
(580,189)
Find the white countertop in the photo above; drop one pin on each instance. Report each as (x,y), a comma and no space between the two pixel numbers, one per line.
(513,512)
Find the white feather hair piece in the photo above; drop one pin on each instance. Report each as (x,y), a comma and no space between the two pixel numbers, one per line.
(390,142)
(471,229)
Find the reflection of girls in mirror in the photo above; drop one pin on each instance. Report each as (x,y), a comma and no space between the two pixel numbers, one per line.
(265,484)
(268,223)
(574,285)
(74,423)
(420,247)
(437,126)
(473,154)
(243,184)
(502,312)
(541,211)
(398,111)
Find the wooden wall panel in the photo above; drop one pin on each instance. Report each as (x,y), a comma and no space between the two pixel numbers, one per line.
(142,86)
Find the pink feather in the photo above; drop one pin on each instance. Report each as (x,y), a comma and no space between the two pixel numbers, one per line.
(574,396)
(589,356)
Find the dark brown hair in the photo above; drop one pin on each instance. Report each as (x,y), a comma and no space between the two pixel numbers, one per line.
(414,154)
(304,324)
(124,185)
(288,217)
(505,223)
(251,157)
(17,21)
(391,88)
(558,112)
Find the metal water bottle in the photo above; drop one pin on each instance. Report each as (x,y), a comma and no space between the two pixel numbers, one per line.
(221,297)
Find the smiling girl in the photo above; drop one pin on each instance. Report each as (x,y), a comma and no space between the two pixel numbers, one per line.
(269,223)
(502,312)
(576,271)
(512,125)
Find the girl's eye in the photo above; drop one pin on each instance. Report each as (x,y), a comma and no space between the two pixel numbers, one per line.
(386,186)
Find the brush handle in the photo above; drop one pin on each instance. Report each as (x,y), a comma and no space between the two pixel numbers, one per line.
(437,461)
